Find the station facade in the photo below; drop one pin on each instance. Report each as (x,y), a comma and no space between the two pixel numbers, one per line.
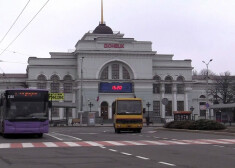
(104,66)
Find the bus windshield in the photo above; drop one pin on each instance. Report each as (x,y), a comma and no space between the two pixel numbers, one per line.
(129,107)
(26,110)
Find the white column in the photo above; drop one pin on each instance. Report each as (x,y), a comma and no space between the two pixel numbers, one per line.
(186,101)
(163,108)
(174,90)
(109,72)
(120,72)
(110,112)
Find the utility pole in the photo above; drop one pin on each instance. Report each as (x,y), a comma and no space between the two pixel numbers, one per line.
(81,91)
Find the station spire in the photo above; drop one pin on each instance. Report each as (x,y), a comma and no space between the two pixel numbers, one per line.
(102,16)
(102,28)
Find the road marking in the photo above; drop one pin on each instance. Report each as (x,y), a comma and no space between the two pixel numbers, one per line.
(27,145)
(132,143)
(113,150)
(165,163)
(124,153)
(115,143)
(216,142)
(93,143)
(50,144)
(72,144)
(141,157)
(5,145)
(219,146)
(156,137)
(155,143)
(55,137)
(68,136)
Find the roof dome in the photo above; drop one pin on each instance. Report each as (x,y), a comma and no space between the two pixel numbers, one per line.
(102,29)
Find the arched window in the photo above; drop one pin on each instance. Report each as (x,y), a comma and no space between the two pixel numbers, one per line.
(180,79)
(202,97)
(168,86)
(157,78)
(168,78)
(125,73)
(156,85)
(41,82)
(180,85)
(105,73)
(55,85)
(68,85)
(116,70)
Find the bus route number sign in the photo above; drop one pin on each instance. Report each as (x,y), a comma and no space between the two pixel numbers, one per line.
(56,96)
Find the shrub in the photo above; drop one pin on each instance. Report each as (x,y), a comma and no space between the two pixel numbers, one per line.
(206,125)
(196,125)
(179,124)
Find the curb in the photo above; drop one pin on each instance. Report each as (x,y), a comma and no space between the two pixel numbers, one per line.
(199,131)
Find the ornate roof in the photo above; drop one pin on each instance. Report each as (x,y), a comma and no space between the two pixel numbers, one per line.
(102,29)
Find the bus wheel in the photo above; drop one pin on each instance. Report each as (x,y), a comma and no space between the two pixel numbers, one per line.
(117,130)
(138,130)
(5,135)
(40,135)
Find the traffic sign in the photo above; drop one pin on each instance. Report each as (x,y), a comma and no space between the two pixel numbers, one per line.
(56,96)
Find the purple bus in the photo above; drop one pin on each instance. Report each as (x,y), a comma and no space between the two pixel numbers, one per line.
(24,111)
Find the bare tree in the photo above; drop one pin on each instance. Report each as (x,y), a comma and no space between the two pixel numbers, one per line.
(223,89)
(203,72)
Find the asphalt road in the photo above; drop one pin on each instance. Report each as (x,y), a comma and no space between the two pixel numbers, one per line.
(96,147)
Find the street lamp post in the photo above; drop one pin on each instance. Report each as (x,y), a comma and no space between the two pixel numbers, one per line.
(147,118)
(191,109)
(90,105)
(207,76)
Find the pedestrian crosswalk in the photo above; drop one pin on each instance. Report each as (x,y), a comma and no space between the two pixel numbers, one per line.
(116,143)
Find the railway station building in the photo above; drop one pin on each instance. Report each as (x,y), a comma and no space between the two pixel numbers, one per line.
(106,65)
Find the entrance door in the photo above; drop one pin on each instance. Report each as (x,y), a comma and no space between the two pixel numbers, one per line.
(104,110)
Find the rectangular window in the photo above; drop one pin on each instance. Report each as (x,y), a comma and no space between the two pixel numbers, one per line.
(203,109)
(55,112)
(169,108)
(156,88)
(180,105)
(180,88)
(69,113)
(55,87)
(41,85)
(156,108)
(168,88)
(68,87)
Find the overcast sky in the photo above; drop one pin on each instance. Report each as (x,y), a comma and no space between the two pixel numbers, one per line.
(199,30)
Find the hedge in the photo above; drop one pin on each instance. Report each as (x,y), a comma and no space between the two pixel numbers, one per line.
(202,124)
